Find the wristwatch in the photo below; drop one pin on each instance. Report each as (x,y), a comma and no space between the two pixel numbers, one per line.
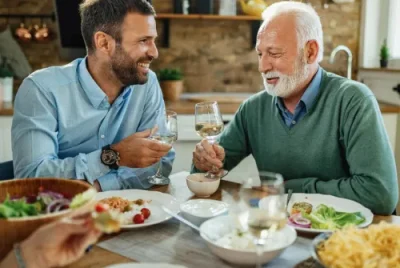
(110,157)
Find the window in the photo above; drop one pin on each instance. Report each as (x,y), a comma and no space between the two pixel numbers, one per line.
(380,20)
(394,29)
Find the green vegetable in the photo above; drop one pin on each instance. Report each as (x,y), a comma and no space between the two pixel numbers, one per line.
(17,208)
(324,217)
(384,52)
(82,198)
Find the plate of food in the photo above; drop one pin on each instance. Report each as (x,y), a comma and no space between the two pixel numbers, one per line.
(351,247)
(318,213)
(139,208)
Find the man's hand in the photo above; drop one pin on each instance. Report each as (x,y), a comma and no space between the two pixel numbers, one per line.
(137,151)
(97,186)
(206,156)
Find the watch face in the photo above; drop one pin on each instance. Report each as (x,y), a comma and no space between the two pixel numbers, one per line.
(109,157)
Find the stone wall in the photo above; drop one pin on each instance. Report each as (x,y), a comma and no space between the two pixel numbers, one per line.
(215,55)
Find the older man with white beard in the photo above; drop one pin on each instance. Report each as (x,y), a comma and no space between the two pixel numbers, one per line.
(322,132)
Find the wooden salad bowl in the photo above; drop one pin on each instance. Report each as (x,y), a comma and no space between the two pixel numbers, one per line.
(14,230)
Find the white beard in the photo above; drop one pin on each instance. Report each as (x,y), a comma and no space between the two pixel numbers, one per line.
(287,84)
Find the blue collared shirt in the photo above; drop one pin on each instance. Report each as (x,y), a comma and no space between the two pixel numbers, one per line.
(62,119)
(304,104)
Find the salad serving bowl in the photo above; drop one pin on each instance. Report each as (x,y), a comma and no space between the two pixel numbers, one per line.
(16,229)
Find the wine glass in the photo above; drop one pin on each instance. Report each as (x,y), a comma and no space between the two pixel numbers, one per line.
(167,132)
(208,125)
(261,209)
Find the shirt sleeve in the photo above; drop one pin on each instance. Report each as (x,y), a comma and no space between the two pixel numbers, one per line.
(127,178)
(373,180)
(35,143)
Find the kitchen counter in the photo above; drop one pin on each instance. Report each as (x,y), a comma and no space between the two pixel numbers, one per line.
(187,107)
(386,70)
(6,109)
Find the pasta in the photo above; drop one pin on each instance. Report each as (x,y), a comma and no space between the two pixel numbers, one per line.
(372,247)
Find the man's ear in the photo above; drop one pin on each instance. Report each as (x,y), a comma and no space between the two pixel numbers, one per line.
(311,51)
(103,42)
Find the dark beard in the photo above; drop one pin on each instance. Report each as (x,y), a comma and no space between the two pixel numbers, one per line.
(125,69)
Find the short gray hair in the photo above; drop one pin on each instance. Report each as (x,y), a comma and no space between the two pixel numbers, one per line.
(308,23)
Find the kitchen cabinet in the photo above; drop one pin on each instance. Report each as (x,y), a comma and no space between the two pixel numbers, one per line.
(5,138)
(385,84)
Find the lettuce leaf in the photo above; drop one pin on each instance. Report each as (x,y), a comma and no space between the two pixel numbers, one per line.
(17,208)
(325,217)
(82,198)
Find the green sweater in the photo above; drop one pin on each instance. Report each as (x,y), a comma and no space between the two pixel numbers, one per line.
(340,147)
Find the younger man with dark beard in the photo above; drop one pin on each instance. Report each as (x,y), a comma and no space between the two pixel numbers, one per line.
(90,119)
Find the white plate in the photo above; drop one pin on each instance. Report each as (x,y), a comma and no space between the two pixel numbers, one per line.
(144,265)
(155,206)
(339,204)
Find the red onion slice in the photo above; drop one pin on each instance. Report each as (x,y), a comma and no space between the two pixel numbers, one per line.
(298,221)
(57,205)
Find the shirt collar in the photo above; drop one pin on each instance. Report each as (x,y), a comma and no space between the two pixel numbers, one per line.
(312,90)
(94,93)
(309,95)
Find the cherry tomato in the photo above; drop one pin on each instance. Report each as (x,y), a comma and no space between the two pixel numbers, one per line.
(138,218)
(41,189)
(145,212)
(100,207)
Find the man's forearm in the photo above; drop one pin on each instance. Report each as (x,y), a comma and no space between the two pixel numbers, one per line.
(135,178)
(83,166)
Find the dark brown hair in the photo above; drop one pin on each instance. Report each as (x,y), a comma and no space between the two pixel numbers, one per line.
(107,16)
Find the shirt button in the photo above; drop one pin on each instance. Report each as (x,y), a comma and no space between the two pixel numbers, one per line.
(293,122)
(102,136)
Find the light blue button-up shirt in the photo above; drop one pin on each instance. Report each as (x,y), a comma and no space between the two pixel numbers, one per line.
(304,104)
(62,119)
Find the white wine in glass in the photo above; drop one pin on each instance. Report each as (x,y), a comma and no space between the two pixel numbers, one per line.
(209,130)
(208,125)
(261,208)
(167,133)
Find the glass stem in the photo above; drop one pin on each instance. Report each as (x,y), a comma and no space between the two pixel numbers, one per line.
(259,251)
(158,174)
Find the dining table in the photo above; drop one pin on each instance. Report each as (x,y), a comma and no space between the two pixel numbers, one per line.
(101,257)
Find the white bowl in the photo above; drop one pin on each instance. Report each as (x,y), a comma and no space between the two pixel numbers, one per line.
(202,186)
(216,228)
(198,211)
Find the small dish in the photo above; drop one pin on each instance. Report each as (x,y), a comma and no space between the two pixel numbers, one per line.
(314,246)
(202,186)
(198,211)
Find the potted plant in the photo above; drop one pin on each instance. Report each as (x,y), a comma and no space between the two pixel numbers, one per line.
(384,54)
(171,83)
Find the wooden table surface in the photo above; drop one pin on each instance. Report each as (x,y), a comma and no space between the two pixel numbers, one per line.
(99,257)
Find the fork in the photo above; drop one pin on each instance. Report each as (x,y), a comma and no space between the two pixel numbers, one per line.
(290,192)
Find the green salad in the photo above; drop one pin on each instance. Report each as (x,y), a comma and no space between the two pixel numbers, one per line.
(326,218)
(44,202)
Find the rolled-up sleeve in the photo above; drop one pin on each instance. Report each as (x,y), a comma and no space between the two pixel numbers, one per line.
(35,143)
